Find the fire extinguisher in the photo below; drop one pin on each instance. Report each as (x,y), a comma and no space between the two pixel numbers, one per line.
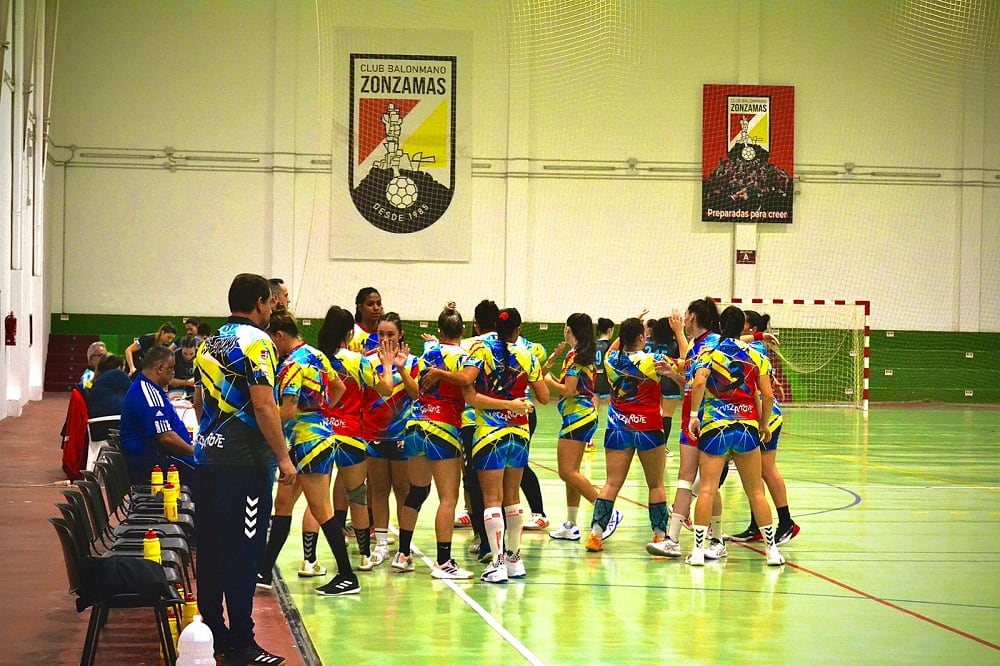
(10,329)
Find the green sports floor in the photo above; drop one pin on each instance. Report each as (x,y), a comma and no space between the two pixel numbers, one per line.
(897,562)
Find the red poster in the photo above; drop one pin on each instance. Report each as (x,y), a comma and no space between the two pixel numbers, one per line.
(748,152)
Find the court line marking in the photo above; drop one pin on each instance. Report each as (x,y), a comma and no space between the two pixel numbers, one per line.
(494,623)
(835,582)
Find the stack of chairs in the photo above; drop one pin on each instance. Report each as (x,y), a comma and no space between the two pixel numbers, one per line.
(104,516)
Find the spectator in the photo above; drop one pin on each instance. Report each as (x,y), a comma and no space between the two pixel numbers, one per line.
(109,389)
(191,325)
(95,352)
(279,294)
(182,383)
(135,351)
(151,431)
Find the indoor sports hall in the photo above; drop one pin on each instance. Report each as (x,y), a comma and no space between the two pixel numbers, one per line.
(831,164)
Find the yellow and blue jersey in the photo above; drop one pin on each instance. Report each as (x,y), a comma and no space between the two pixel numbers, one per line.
(577,409)
(734,370)
(438,411)
(469,414)
(363,341)
(502,381)
(635,390)
(776,419)
(537,350)
(239,356)
(307,376)
(385,417)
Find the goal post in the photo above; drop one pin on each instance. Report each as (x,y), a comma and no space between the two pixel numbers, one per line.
(824,349)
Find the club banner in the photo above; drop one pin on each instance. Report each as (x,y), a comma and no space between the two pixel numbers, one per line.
(748,153)
(405,186)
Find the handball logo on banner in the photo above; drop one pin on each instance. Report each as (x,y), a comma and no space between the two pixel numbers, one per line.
(402,155)
(749,127)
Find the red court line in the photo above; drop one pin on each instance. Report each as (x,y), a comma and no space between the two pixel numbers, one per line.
(832,581)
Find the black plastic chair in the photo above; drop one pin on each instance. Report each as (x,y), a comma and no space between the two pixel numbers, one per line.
(80,585)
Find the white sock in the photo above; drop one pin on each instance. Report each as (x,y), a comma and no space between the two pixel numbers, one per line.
(700,536)
(716,527)
(674,530)
(494,530)
(381,536)
(571,513)
(768,532)
(514,523)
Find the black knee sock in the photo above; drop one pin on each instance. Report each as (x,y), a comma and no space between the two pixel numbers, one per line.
(341,517)
(280,527)
(405,540)
(784,517)
(309,546)
(532,491)
(333,530)
(364,540)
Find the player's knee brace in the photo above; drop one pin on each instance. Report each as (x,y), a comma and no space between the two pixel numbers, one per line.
(359,495)
(416,497)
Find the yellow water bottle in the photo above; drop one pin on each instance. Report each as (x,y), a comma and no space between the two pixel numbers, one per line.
(174,477)
(156,480)
(170,502)
(190,609)
(151,546)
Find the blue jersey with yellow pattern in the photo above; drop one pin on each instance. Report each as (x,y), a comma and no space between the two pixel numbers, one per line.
(734,370)
(577,409)
(776,416)
(239,356)
(635,390)
(504,381)
(306,375)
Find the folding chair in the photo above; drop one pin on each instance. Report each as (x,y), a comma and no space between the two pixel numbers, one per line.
(98,431)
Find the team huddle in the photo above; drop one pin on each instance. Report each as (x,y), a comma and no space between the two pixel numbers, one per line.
(393,421)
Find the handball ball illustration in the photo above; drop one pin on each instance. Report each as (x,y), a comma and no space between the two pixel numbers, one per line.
(401,192)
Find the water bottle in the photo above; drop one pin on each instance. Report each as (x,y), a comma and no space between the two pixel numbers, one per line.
(173,476)
(195,647)
(151,546)
(170,502)
(156,480)
(190,610)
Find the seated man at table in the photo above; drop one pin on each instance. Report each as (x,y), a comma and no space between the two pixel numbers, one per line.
(151,431)
(95,354)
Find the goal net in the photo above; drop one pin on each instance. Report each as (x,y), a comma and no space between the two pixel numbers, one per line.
(823,353)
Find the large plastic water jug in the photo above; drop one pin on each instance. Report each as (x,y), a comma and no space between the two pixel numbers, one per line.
(195,646)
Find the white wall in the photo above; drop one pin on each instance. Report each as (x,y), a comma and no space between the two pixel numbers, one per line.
(585,82)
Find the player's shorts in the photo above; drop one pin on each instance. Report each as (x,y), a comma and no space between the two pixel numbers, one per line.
(773,444)
(640,440)
(578,432)
(350,451)
(734,438)
(420,442)
(508,451)
(669,389)
(602,389)
(315,457)
(386,449)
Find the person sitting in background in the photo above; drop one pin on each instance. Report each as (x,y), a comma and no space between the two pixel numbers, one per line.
(182,384)
(134,352)
(95,352)
(191,325)
(151,431)
(110,386)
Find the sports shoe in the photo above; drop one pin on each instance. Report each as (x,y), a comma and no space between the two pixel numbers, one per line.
(474,546)
(589,447)
(340,586)
(787,534)
(696,558)
(368,562)
(536,522)
(515,565)
(382,551)
(716,551)
(595,543)
(613,523)
(566,532)
(774,557)
(664,547)
(389,539)
(463,520)
(403,563)
(687,524)
(484,556)
(496,572)
(450,571)
(311,569)
(748,535)
(264,582)
(252,654)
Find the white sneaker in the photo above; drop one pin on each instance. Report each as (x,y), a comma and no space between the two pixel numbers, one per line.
(716,551)
(515,565)
(774,557)
(566,532)
(449,571)
(536,522)
(666,547)
(403,563)
(696,558)
(311,569)
(496,572)
(463,520)
(368,562)
(381,550)
(613,523)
